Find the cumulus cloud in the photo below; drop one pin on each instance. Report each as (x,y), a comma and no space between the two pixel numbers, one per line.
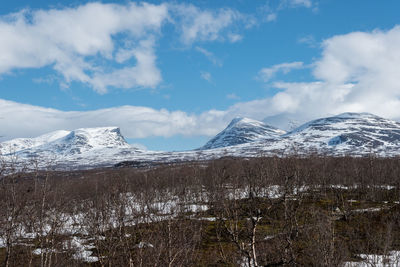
(144,74)
(70,40)
(369,61)
(356,72)
(208,25)
(267,74)
(106,45)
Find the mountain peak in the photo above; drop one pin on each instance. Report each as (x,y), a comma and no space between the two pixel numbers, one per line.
(243,130)
(236,120)
(244,122)
(351,115)
(85,139)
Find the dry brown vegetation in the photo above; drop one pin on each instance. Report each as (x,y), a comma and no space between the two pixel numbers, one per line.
(313,211)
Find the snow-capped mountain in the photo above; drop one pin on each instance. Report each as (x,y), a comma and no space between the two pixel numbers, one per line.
(348,132)
(243,130)
(345,134)
(86,139)
(18,144)
(66,143)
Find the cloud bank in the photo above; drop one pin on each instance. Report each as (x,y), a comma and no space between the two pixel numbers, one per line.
(21,120)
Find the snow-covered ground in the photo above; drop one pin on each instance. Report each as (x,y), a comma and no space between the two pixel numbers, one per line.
(392,259)
(137,209)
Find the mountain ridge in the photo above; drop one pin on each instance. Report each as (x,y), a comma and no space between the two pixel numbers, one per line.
(355,134)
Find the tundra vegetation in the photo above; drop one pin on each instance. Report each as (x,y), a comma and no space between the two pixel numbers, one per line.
(267,211)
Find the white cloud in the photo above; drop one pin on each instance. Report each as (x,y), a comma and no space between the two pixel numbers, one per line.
(357,72)
(21,120)
(305,3)
(210,56)
(233,37)
(232,96)
(207,25)
(267,74)
(308,40)
(206,76)
(144,74)
(71,39)
(273,8)
(272,17)
(106,45)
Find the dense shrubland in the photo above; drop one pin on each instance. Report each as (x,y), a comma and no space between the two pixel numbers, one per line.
(313,211)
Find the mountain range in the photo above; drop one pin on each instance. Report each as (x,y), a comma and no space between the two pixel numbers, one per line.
(355,134)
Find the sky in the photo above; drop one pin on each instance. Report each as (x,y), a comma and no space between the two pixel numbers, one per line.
(172,74)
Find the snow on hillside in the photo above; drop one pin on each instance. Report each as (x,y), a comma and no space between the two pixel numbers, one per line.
(85,139)
(243,130)
(66,142)
(19,144)
(347,132)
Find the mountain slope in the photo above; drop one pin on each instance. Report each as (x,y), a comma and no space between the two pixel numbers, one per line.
(348,131)
(242,130)
(18,144)
(67,142)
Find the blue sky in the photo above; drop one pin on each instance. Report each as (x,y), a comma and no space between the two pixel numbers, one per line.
(173,74)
